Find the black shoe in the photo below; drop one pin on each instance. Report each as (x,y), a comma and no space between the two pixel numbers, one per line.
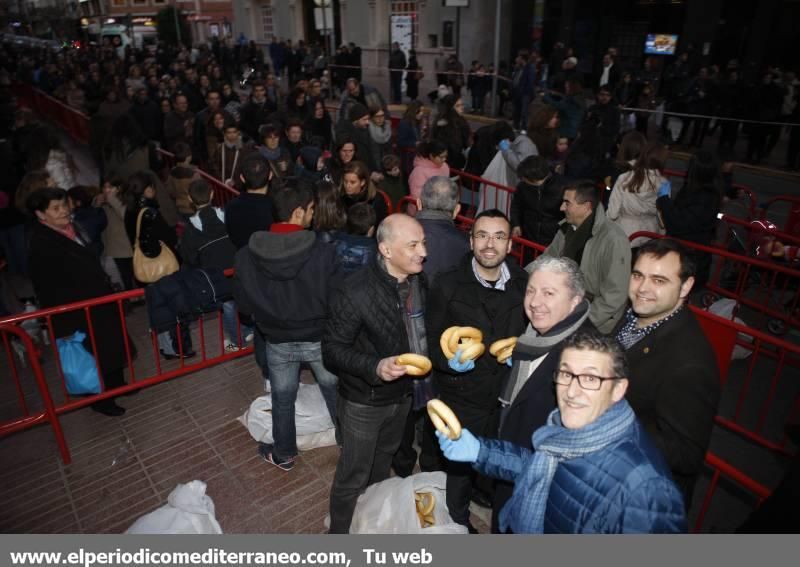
(189,354)
(109,408)
(480,498)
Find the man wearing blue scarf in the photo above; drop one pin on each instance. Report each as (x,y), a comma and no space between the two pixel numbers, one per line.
(593,468)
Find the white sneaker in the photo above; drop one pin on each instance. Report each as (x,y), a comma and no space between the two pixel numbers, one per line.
(249,338)
(230,347)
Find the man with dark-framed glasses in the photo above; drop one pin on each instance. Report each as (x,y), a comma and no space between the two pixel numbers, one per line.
(593,469)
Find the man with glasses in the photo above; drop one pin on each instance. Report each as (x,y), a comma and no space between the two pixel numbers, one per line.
(593,469)
(485,290)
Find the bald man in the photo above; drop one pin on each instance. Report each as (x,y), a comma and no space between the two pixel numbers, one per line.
(365,333)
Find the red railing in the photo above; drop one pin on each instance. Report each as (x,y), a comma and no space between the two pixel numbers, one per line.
(766,400)
(144,369)
(770,289)
(73,121)
(484,194)
(792,224)
(30,418)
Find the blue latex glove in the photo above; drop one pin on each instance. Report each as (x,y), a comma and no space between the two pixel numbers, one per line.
(504,145)
(665,190)
(510,362)
(465,449)
(465,366)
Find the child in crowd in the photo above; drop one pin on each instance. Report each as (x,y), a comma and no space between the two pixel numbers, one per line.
(560,155)
(393,183)
(356,248)
(205,244)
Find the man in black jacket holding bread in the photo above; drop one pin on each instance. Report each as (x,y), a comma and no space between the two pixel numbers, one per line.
(376,316)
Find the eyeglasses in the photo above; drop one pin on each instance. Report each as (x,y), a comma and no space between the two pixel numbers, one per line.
(484,236)
(585,381)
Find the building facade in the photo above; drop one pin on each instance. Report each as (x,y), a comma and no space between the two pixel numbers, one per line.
(207,17)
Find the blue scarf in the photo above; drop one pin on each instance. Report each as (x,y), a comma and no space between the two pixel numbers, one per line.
(554,443)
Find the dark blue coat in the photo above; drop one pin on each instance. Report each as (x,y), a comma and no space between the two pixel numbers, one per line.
(624,488)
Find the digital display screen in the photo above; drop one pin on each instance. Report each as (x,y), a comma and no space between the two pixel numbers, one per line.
(660,44)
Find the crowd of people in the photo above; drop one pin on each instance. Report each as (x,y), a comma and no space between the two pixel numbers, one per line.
(598,423)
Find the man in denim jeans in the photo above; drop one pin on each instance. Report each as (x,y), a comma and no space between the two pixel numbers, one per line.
(283,277)
(377,315)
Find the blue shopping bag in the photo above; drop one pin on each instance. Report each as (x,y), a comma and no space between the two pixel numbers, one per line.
(80,371)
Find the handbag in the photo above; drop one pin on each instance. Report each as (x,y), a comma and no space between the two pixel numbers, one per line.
(150,270)
(78,366)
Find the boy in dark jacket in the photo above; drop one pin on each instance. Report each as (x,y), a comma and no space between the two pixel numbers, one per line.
(251,211)
(205,244)
(356,248)
(536,206)
(283,279)
(393,183)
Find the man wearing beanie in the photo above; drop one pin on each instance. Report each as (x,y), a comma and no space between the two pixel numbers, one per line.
(356,129)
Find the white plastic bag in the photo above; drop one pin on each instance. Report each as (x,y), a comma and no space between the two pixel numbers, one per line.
(725,308)
(389,507)
(188,511)
(491,197)
(312,420)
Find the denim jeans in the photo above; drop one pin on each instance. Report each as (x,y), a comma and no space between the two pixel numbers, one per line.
(284,364)
(230,325)
(370,438)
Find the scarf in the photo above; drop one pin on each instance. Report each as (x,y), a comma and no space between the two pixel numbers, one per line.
(531,345)
(575,239)
(430,214)
(553,443)
(380,135)
(412,307)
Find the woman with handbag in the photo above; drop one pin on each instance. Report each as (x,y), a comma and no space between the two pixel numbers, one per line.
(64,270)
(154,251)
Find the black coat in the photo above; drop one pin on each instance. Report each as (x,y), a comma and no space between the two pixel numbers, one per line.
(537,210)
(246,214)
(63,271)
(366,324)
(530,408)
(445,243)
(674,388)
(208,246)
(458,298)
(692,216)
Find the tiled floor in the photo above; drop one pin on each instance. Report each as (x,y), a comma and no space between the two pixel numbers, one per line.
(174,432)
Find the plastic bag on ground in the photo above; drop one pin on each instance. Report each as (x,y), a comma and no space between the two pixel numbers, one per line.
(312,420)
(188,511)
(389,507)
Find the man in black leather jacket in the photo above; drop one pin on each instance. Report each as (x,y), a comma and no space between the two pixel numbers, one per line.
(377,315)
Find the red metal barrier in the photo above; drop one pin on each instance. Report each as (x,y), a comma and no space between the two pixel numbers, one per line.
(770,289)
(144,366)
(764,386)
(15,338)
(72,121)
(485,194)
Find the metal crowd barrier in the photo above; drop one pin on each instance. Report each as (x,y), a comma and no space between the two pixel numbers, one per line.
(143,367)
